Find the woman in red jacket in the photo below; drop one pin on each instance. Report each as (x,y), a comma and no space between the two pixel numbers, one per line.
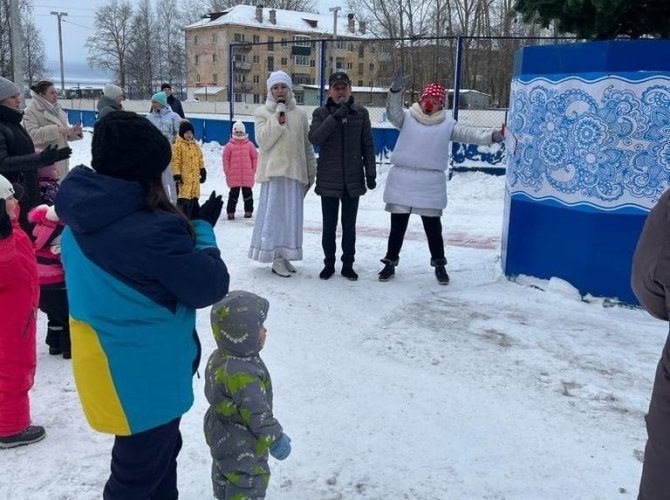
(19,297)
(240,160)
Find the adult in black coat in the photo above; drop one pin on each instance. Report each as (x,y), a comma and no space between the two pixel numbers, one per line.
(174,103)
(343,132)
(18,161)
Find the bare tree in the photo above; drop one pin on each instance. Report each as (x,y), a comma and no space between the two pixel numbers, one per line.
(108,47)
(193,11)
(170,50)
(33,47)
(142,47)
(33,53)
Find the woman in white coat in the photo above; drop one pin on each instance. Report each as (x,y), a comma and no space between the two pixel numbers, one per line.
(47,124)
(286,171)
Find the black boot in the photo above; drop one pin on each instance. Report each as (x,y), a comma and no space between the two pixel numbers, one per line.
(440,270)
(327,272)
(349,273)
(389,269)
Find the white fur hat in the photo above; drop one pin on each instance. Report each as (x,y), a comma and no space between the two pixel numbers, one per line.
(6,188)
(238,126)
(277,77)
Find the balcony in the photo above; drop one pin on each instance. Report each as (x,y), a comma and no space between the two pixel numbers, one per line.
(242,66)
(243,87)
(242,46)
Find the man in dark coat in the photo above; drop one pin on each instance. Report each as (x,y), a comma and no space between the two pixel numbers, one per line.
(346,165)
(174,103)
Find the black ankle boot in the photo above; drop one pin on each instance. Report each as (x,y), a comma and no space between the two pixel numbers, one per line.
(389,269)
(327,272)
(440,270)
(349,273)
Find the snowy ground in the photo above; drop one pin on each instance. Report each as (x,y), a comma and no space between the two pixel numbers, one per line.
(484,389)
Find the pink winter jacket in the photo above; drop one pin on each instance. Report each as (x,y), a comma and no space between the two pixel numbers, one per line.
(19,296)
(240,160)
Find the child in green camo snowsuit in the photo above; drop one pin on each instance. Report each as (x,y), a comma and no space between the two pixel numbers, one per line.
(239,426)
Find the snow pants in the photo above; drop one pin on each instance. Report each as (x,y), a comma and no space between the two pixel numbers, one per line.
(655,483)
(144,465)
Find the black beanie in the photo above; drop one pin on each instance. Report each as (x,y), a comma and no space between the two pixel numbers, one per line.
(185,126)
(128,146)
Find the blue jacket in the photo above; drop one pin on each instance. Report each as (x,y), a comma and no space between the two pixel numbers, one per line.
(135,278)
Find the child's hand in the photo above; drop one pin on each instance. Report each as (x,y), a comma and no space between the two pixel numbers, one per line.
(282,447)
(203,175)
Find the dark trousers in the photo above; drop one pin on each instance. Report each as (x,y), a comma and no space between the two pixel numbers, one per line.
(432,227)
(53,302)
(144,465)
(234,195)
(329,209)
(655,482)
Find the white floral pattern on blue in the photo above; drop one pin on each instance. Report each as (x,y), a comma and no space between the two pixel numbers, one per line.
(604,143)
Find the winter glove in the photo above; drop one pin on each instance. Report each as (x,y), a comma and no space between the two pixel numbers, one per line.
(342,111)
(282,447)
(371,182)
(398,81)
(5,221)
(210,210)
(203,175)
(498,135)
(52,155)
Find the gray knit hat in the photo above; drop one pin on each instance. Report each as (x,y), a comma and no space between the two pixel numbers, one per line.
(112,91)
(8,89)
(236,321)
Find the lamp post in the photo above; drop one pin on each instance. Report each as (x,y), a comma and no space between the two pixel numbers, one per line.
(60,46)
(334,10)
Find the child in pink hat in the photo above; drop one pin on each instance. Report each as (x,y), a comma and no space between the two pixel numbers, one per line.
(240,159)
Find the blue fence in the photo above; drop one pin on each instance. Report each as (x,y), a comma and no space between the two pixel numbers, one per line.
(211,129)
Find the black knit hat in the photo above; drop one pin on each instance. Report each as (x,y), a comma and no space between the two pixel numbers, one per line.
(128,146)
(185,126)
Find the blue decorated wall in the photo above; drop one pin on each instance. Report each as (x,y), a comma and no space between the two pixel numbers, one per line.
(588,155)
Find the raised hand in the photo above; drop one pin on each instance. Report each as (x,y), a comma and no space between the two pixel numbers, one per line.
(399,79)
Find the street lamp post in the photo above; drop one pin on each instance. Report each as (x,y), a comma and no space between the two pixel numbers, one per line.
(334,10)
(60,46)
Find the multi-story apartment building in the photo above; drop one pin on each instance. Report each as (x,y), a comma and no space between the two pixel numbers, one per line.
(272,39)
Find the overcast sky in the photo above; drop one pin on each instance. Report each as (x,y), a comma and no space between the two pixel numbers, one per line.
(77,26)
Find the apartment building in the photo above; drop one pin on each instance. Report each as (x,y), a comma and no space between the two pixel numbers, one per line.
(266,40)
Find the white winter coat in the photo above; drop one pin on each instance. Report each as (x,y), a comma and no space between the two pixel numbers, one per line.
(284,150)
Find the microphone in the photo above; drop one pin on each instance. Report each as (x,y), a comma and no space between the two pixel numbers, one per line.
(343,102)
(282,115)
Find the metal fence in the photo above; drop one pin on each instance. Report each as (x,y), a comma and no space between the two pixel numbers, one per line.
(476,71)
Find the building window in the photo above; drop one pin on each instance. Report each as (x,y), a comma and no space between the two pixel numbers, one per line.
(197,60)
(195,40)
(257,79)
(361,68)
(213,57)
(373,49)
(284,61)
(256,59)
(197,78)
(271,44)
(215,79)
(361,51)
(350,65)
(256,38)
(350,47)
(238,37)
(340,44)
(240,58)
(271,63)
(284,42)
(238,98)
(301,60)
(257,98)
(312,63)
(339,63)
(372,66)
(299,98)
(302,41)
(360,83)
(214,37)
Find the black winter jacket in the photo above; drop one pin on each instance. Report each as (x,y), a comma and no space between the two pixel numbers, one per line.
(175,104)
(18,160)
(347,152)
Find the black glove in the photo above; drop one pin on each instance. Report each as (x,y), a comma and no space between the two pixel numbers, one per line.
(51,155)
(5,221)
(177,179)
(371,182)
(342,111)
(203,175)
(210,210)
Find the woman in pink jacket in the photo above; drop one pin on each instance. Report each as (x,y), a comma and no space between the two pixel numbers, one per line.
(19,296)
(240,160)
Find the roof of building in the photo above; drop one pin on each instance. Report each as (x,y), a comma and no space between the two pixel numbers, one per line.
(289,20)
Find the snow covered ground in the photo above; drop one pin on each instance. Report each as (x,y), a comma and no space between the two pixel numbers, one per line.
(483,389)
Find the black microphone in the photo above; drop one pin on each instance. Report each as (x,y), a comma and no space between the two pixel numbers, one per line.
(345,104)
(282,115)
